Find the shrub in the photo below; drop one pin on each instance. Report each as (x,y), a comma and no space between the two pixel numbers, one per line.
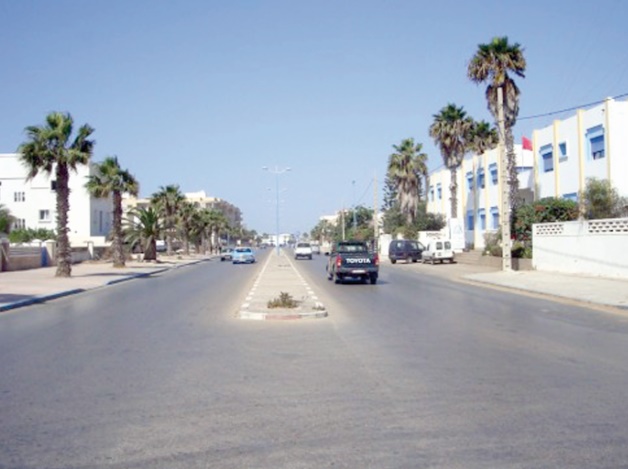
(284,300)
(26,235)
(547,210)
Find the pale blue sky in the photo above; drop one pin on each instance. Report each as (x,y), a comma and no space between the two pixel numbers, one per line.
(204,93)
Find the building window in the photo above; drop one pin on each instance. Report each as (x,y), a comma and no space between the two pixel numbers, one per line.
(495,217)
(493,169)
(571,196)
(548,158)
(562,152)
(19,224)
(53,185)
(19,197)
(595,139)
(470,181)
(481,182)
(432,193)
(44,215)
(597,147)
(470,224)
(482,217)
(439,191)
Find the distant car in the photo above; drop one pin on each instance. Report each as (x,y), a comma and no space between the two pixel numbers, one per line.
(226,254)
(405,250)
(438,250)
(303,250)
(243,255)
(160,245)
(316,249)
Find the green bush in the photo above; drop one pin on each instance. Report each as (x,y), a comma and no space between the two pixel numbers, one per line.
(284,300)
(26,235)
(547,210)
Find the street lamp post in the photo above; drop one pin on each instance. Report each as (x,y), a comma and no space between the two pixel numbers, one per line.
(277,171)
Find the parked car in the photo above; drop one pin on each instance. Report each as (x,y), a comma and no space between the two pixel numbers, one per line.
(405,250)
(226,254)
(352,259)
(438,250)
(316,249)
(243,255)
(303,250)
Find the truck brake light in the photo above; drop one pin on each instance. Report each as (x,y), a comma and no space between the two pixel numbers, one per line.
(376,259)
(338,261)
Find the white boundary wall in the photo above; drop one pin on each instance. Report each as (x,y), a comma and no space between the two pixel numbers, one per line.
(589,247)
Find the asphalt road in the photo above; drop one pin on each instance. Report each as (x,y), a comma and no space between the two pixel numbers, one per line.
(416,371)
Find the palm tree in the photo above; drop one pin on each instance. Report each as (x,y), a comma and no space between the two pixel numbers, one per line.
(217,225)
(491,63)
(185,223)
(143,227)
(167,202)
(6,220)
(112,180)
(406,167)
(49,148)
(483,137)
(451,132)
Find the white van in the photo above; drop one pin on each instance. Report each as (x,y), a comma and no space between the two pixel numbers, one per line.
(438,250)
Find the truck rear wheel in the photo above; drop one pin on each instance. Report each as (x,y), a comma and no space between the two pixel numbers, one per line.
(373,278)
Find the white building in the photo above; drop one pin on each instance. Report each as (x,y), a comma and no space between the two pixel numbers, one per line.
(33,202)
(593,143)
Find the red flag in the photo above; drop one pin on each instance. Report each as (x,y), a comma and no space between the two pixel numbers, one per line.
(527,143)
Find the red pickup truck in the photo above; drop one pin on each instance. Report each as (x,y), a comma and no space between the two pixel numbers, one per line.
(352,259)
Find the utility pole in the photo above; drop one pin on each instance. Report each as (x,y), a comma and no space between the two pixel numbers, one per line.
(504,184)
(355,223)
(375,216)
(342,219)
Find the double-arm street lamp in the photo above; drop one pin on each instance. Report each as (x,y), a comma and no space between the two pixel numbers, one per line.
(277,171)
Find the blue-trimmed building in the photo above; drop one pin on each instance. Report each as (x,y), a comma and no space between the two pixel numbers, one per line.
(592,143)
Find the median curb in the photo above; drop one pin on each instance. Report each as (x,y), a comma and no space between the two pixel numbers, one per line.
(280,275)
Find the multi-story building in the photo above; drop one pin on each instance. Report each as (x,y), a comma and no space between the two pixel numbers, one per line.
(200,200)
(33,202)
(592,143)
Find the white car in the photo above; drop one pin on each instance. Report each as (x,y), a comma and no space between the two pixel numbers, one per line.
(438,250)
(303,250)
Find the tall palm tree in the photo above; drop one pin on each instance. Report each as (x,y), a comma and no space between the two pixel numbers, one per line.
(167,201)
(111,179)
(451,131)
(49,148)
(492,63)
(406,167)
(185,223)
(483,137)
(217,225)
(143,227)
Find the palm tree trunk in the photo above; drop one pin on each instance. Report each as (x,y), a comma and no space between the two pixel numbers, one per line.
(150,251)
(453,192)
(513,179)
(117,245)
(186,245)
(64,253)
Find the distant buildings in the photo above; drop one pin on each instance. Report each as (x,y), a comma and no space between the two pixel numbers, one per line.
(592,143)
(33,203)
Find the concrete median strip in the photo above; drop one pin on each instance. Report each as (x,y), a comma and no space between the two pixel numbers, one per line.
(279,275)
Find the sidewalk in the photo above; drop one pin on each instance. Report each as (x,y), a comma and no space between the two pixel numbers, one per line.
(593,290)
(279,274)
